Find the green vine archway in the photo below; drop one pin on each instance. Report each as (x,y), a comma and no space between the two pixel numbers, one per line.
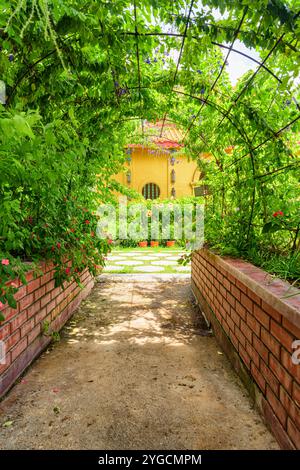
(82,76)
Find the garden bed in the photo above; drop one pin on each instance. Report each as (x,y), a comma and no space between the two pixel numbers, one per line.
(42,309)
(256,318)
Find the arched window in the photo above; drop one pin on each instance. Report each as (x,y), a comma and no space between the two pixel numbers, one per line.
(151,191)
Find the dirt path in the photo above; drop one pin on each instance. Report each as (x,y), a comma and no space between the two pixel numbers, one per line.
(132,372)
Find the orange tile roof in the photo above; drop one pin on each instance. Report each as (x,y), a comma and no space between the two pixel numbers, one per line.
(171,135)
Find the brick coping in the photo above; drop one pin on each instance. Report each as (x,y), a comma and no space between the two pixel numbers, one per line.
(275,292)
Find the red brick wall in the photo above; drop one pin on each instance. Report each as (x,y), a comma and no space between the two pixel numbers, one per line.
(255,316)
(37,302)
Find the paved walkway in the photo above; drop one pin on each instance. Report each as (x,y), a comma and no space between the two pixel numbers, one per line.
(146,261)
(135,368)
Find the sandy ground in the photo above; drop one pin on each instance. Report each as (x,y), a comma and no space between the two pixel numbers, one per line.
(134,370)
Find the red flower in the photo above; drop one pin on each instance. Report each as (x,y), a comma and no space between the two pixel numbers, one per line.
(5,262)
(72,230)
(67,270)
(87,222)
(109,241)
(58,245)
(52,248)
(277,213)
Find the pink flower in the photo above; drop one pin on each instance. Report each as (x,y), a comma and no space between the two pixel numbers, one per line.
(5,262)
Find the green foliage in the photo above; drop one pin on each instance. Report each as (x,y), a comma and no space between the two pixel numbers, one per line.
(76,94)
(165,208)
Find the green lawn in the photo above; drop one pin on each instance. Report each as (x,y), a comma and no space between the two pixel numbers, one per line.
(135,255)
(155,249)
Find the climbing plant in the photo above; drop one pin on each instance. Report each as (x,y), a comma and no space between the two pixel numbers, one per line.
(82,76)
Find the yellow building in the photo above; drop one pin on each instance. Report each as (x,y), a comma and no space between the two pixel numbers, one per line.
(160,170)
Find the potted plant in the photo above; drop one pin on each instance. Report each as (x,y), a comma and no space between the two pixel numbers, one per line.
(154,243)
(143,244)
(170,242)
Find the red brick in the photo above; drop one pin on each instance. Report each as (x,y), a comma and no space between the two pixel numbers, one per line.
(292,409)
(283,376)
(12,340)
(241,310)
(270,378)
(253,354)
(235,292)
(293,433)
(17,321)
(277,406)
(10,313)
(41,315)
(50,286)
(57,292)
(231,278)
(5,366)
(29,276)
(4,331)
(55,312)
(241,286)
(244,355)
(234,340)
(240,337)
(282,335)
(46,278)
(28,326)
(261,316)
(33,309)
(51,306)
(247,303)
(230,323)
(21,293)
(226,306)
(261,349)
(259,379)
(235,317)
(33,285)
(18,349)
(231,300)
(271,311)
(26,301)
(225,326)
(39,293)
(34,333)
(286,361)
(226,284)
(253,296)
(272,344)
(253,324)
(223,291)
(45,300)
(246,331)
(296,393)
(213,271)
(292,329)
